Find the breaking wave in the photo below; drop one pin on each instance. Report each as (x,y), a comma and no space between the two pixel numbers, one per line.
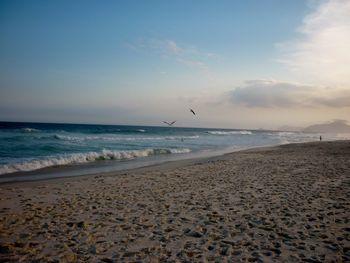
(230,132)
(29,130)
(285,133)
(114,138)
(80,158)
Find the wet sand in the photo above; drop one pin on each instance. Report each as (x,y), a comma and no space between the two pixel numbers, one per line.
(288,203)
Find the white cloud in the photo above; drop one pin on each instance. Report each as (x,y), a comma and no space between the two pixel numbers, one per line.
(272,93)
(321,54)
(166,47)
(192,63)
(184,55)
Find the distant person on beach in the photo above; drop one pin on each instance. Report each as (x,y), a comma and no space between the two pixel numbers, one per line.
(320,138)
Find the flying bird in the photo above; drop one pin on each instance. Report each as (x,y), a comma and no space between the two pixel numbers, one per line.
(169,123)
(192,112)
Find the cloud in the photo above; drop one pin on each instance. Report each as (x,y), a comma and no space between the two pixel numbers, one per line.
(321,54)
(184,55)
(273,93)
(167,47)
(339,99)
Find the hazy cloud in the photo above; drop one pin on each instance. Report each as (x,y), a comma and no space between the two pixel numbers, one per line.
(321,53)
(185,55)
(272,93)
(166,47)
(340,99)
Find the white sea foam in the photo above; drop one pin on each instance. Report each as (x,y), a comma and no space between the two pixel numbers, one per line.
(183,150)
(80,158)
(29,130)
(64,137)
(230,132)
(180,137)
(285,133)
(115,138)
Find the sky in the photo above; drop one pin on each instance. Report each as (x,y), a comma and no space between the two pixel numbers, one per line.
(238,64)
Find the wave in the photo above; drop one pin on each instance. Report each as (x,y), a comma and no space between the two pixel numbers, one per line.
(230,132)
(113,131)
(285,133)
(64,137)
(29,130)
(179,137)
(113,138)
(81,158)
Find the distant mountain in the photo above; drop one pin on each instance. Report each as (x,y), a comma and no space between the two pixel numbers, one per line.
(337,126)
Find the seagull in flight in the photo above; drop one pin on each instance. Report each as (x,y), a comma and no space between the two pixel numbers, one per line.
(169,123)
(192,112)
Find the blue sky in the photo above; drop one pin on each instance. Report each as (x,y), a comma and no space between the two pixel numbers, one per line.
(139,62)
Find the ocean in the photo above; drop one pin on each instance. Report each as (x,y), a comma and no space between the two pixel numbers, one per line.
(41,150)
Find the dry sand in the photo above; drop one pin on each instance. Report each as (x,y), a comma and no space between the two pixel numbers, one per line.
(283,204)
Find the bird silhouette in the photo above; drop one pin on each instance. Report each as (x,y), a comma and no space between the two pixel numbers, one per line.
(192,112)
(169,123)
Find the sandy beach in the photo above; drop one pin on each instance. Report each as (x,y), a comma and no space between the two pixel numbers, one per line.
(287,203)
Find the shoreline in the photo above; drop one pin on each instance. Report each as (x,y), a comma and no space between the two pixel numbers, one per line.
(71,171)
(287,203)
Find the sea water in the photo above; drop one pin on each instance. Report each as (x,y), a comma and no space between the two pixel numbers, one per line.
(28,147)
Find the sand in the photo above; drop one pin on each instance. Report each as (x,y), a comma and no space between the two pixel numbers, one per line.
(288,203)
